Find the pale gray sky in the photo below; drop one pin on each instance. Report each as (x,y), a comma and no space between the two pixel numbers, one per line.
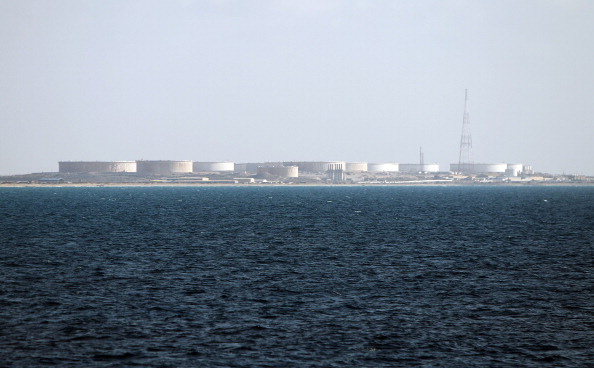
(247,80)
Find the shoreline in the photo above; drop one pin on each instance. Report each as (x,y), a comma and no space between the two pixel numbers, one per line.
(194,185)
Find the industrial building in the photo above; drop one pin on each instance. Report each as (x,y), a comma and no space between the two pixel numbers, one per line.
(96,166)
(514,170)
(163,167)
(317,166)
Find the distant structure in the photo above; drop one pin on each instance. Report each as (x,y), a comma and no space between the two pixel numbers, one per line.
(355,166)
(486,168)
(317,166)
(418,168)
(465,161)
(162,167)
(213,166)
(96,166)
(516,169)
(421,167)
(499,169)
(336,172)
(252,167)
(383,167)
(279,171)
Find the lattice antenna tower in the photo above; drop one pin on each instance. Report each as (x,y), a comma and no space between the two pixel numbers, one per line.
(465,162)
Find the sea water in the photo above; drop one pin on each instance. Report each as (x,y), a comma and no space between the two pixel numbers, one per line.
(297,276)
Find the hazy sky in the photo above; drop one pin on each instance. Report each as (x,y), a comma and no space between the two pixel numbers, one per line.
(249,81)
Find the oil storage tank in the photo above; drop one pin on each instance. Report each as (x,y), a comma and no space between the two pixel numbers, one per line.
(96,166)
(490,168)
(163,167)
(514,169)
(382,167)
(416,168)
(224,166)
(281,171)
(355,166)
(248,167)
(497,168)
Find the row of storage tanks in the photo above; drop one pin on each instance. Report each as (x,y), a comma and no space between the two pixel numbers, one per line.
(497,168)
(317,167)
(478,168)
(284,169)
(281,169)
(173,167)
(144,167)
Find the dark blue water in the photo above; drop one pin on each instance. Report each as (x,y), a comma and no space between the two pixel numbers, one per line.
(297,277)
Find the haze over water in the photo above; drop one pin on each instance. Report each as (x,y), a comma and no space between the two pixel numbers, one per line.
(300,276)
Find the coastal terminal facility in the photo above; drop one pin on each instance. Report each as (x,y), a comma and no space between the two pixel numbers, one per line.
(289,169)
(334,171)
(308,171)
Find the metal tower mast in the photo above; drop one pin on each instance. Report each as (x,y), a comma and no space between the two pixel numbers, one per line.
(421,156)
(465,162)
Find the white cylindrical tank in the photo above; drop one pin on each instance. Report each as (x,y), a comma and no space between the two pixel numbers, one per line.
(479,168)
(382,167)
(163,167)
(96,166)
(514,169)
(286,171)
(490,168)
(282,171)
(213,166)
(249,167)
(355,166)
(416,168)
(241,168)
